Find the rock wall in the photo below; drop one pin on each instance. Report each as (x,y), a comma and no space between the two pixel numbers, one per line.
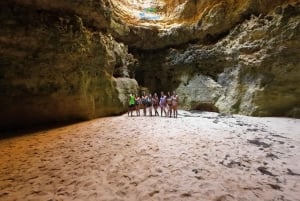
(253,70)
(268,68)
(77,60)
(56,67)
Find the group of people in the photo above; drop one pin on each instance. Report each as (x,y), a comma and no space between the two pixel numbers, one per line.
(168,104)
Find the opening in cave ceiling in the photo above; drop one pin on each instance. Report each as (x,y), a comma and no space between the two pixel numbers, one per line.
(157,13)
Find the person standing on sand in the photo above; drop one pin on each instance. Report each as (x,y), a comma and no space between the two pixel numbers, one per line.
(137,105)
(162,103)
(131,104)
(155,101)
(175,102)
(144,103)
(150,104)
(169,104)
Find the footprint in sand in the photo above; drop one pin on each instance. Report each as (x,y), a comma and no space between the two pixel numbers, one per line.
(226,197)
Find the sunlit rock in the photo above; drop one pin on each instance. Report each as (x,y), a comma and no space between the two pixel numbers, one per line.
(256,68)
(152,24)
(199,92)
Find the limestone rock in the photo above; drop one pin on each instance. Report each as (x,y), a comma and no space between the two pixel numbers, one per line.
(54,68)
(199,92)
(254,70)
(268,67)
(159,24)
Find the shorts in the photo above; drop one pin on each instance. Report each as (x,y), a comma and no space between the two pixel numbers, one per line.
(131,105)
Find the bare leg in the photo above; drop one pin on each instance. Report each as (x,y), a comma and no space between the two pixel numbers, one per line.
(150,110)
(170,110)
(155,111)
(144,109)
(165,111)
(137,110)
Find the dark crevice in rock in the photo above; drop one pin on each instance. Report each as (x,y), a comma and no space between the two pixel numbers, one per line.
(200,106)
(165,66)
(290,10)
(138,50)
(247,15)
(150,71)
(211,39)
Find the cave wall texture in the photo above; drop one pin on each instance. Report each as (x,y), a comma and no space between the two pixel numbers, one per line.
(78,60)
(57,66)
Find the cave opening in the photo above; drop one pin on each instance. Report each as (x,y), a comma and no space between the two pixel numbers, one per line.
(140,9)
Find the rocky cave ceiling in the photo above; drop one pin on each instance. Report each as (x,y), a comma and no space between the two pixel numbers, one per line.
(151,24)
(155,24)
(163,13)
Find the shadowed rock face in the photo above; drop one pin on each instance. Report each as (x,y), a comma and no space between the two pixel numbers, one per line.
(55,67)
(66,60)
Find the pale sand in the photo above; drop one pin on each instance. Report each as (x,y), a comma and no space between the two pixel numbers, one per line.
(198,156)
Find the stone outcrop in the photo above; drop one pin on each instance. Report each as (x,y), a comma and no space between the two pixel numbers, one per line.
(253,70)
(56,68)
(266,78)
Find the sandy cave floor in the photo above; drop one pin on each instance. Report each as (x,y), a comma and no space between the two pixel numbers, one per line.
(198,156)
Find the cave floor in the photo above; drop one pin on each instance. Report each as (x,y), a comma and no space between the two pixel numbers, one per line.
(197,156)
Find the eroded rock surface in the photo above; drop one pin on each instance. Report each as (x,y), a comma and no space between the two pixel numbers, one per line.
(55,68)
(253,70)
(66,60)
(153,24)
